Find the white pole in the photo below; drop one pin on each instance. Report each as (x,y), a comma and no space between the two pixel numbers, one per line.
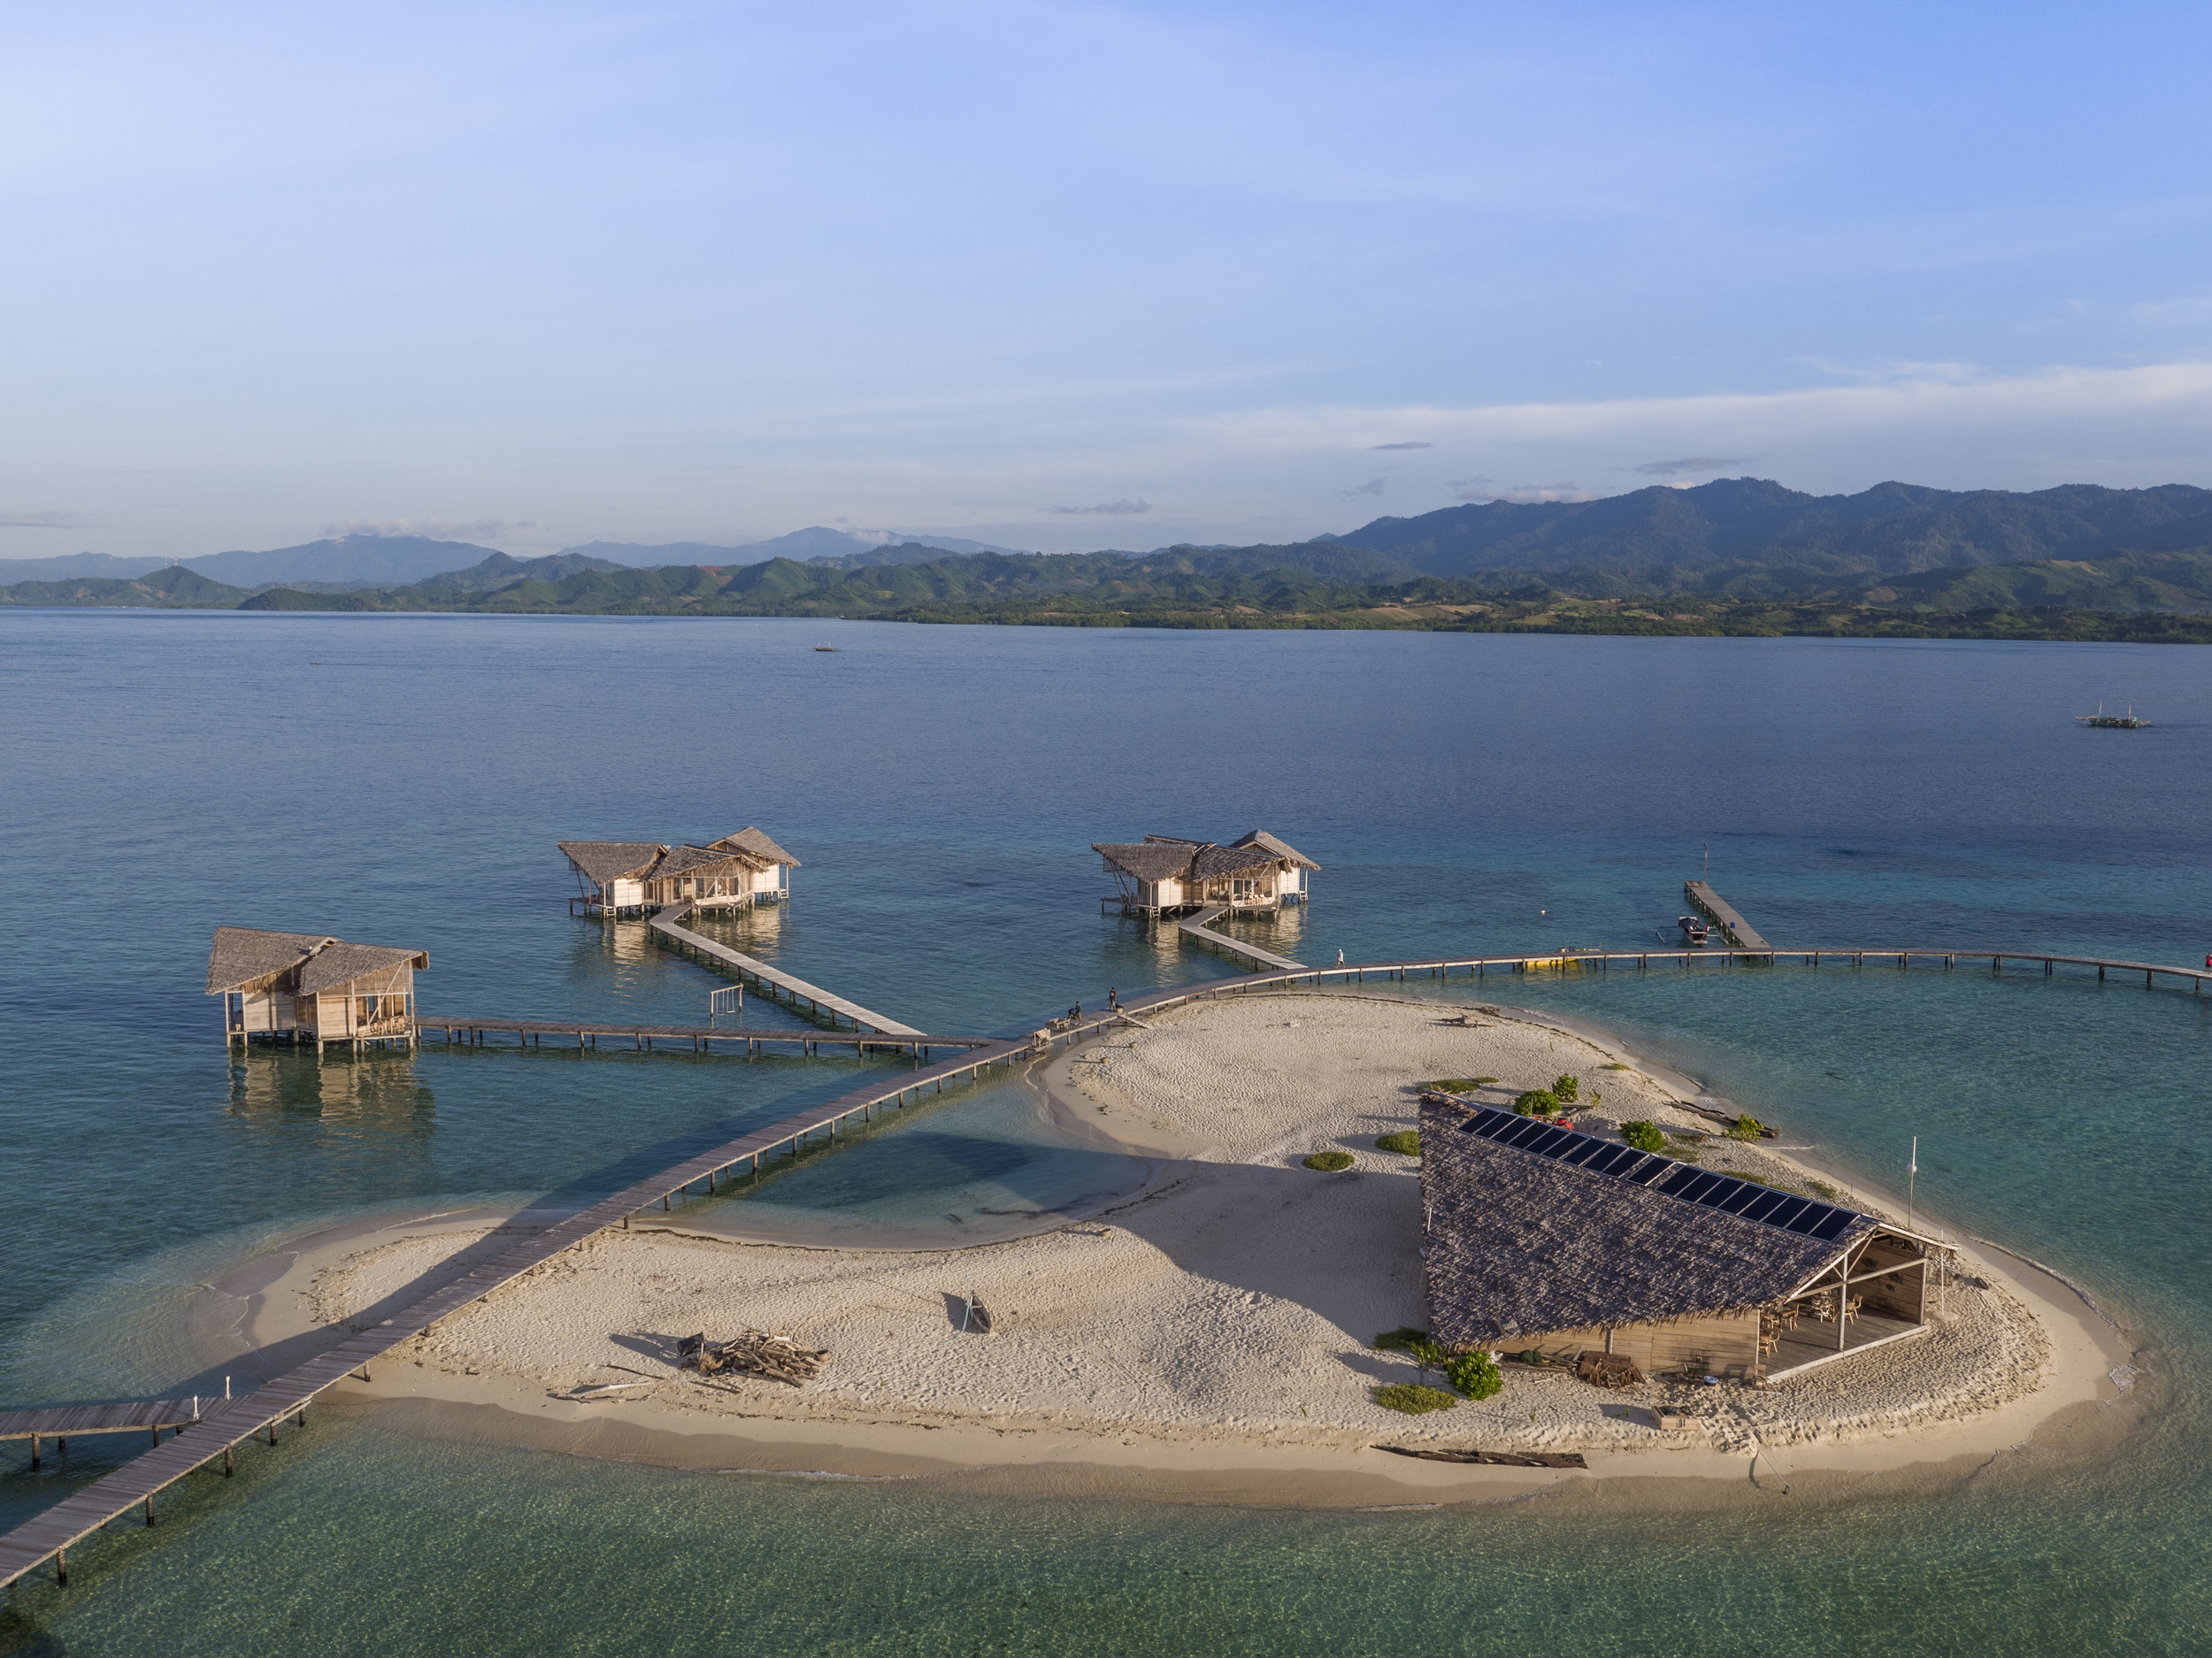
(1912,1175)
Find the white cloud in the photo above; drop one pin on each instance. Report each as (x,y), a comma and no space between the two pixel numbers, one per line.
(435,529)
(1127,506)
(1480,489)
(23,519)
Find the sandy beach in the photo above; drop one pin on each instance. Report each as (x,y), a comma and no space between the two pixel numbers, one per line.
(1209,1339)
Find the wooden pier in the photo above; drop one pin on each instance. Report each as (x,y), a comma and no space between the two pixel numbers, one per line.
(1723,915)
(1196,928)
(701,1038)
(225,1424)
(820,1003)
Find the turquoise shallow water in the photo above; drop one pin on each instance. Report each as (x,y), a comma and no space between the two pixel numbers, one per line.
(942,785)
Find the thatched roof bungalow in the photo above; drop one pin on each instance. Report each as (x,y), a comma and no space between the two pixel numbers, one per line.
(618,877)
(1535,1236)
(309,987)
(1161,873)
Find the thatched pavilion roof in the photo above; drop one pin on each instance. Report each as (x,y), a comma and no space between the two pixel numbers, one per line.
(1209,862)
(242,955)
(1152,861)
(754,842)
(705,861)
(1168,857)
(339,962)
(605,861)
(1280,848)
(1522,1242)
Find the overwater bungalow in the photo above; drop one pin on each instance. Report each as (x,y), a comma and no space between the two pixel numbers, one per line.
(1541,1237)
(1163,873)
(311,988)
(615,877)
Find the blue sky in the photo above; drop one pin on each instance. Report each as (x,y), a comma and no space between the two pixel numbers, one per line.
(537,274)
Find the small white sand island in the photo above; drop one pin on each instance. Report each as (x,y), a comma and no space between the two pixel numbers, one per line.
(1213,1334)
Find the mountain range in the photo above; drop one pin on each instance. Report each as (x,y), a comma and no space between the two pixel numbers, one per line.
(1741,543)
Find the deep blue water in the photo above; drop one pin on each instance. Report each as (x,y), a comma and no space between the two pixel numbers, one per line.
(403,780)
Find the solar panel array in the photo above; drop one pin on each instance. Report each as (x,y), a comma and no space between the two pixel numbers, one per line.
(1804,1216)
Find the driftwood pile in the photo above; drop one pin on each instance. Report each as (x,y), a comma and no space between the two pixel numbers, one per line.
(754,1353)
(1609,1370)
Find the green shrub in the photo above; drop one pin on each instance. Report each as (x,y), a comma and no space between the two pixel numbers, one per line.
(1536,1102)
(1566,1090)
(1405,1141)
(1823,1188)
(1399,1340)
(1531,1355)
(1330,1162)
(1616,1065)
(1643,1136)
(1457,1084)
(1413,1399)
(1748,1127)
(1475,1375)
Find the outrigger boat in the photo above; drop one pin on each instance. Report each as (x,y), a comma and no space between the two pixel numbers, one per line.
(2113,722)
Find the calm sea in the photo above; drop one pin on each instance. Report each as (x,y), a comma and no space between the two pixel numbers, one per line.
(403,780)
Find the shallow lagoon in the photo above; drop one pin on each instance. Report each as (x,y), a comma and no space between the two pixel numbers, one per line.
(1462,794)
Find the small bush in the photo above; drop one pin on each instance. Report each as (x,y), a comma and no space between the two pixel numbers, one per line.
(1748,1127)
(1643,1136)
(1413,1399)
(1823,1188)
(1616,1065)
(1475,1375)
(1536,1102)
(1459,1084)
(1330,1162)
(1405,1141)
(1566,1090)
(1399,1340)
(1531,1355)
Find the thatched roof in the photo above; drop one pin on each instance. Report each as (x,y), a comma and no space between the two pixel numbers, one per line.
(240,956)
(753,841)
(1519,1244)
(339,962)
(1169,857)
(705,861)
(1152,861)
(605,861)
(1209,862)
(1280,848)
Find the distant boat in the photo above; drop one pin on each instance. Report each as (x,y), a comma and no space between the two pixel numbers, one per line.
(826,647)
(1694,931)
(2103,721)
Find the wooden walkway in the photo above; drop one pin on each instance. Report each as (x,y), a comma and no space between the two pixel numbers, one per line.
(1197,927)
(1723,915)
(63,1423)
(225,1425)
(701,1037)
(819,1003)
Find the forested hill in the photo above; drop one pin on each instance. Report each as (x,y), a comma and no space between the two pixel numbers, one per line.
(1747,523)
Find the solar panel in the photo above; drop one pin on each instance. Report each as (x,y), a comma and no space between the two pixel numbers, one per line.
(1747,1199)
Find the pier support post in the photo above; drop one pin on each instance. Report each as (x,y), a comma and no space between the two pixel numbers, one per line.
(227,1466)
(149,1511)
(35,1453)
(61,1567)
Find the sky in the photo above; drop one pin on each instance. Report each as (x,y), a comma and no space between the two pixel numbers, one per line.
(1068,276)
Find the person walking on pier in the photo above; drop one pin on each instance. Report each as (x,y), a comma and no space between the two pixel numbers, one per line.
(1113,996)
